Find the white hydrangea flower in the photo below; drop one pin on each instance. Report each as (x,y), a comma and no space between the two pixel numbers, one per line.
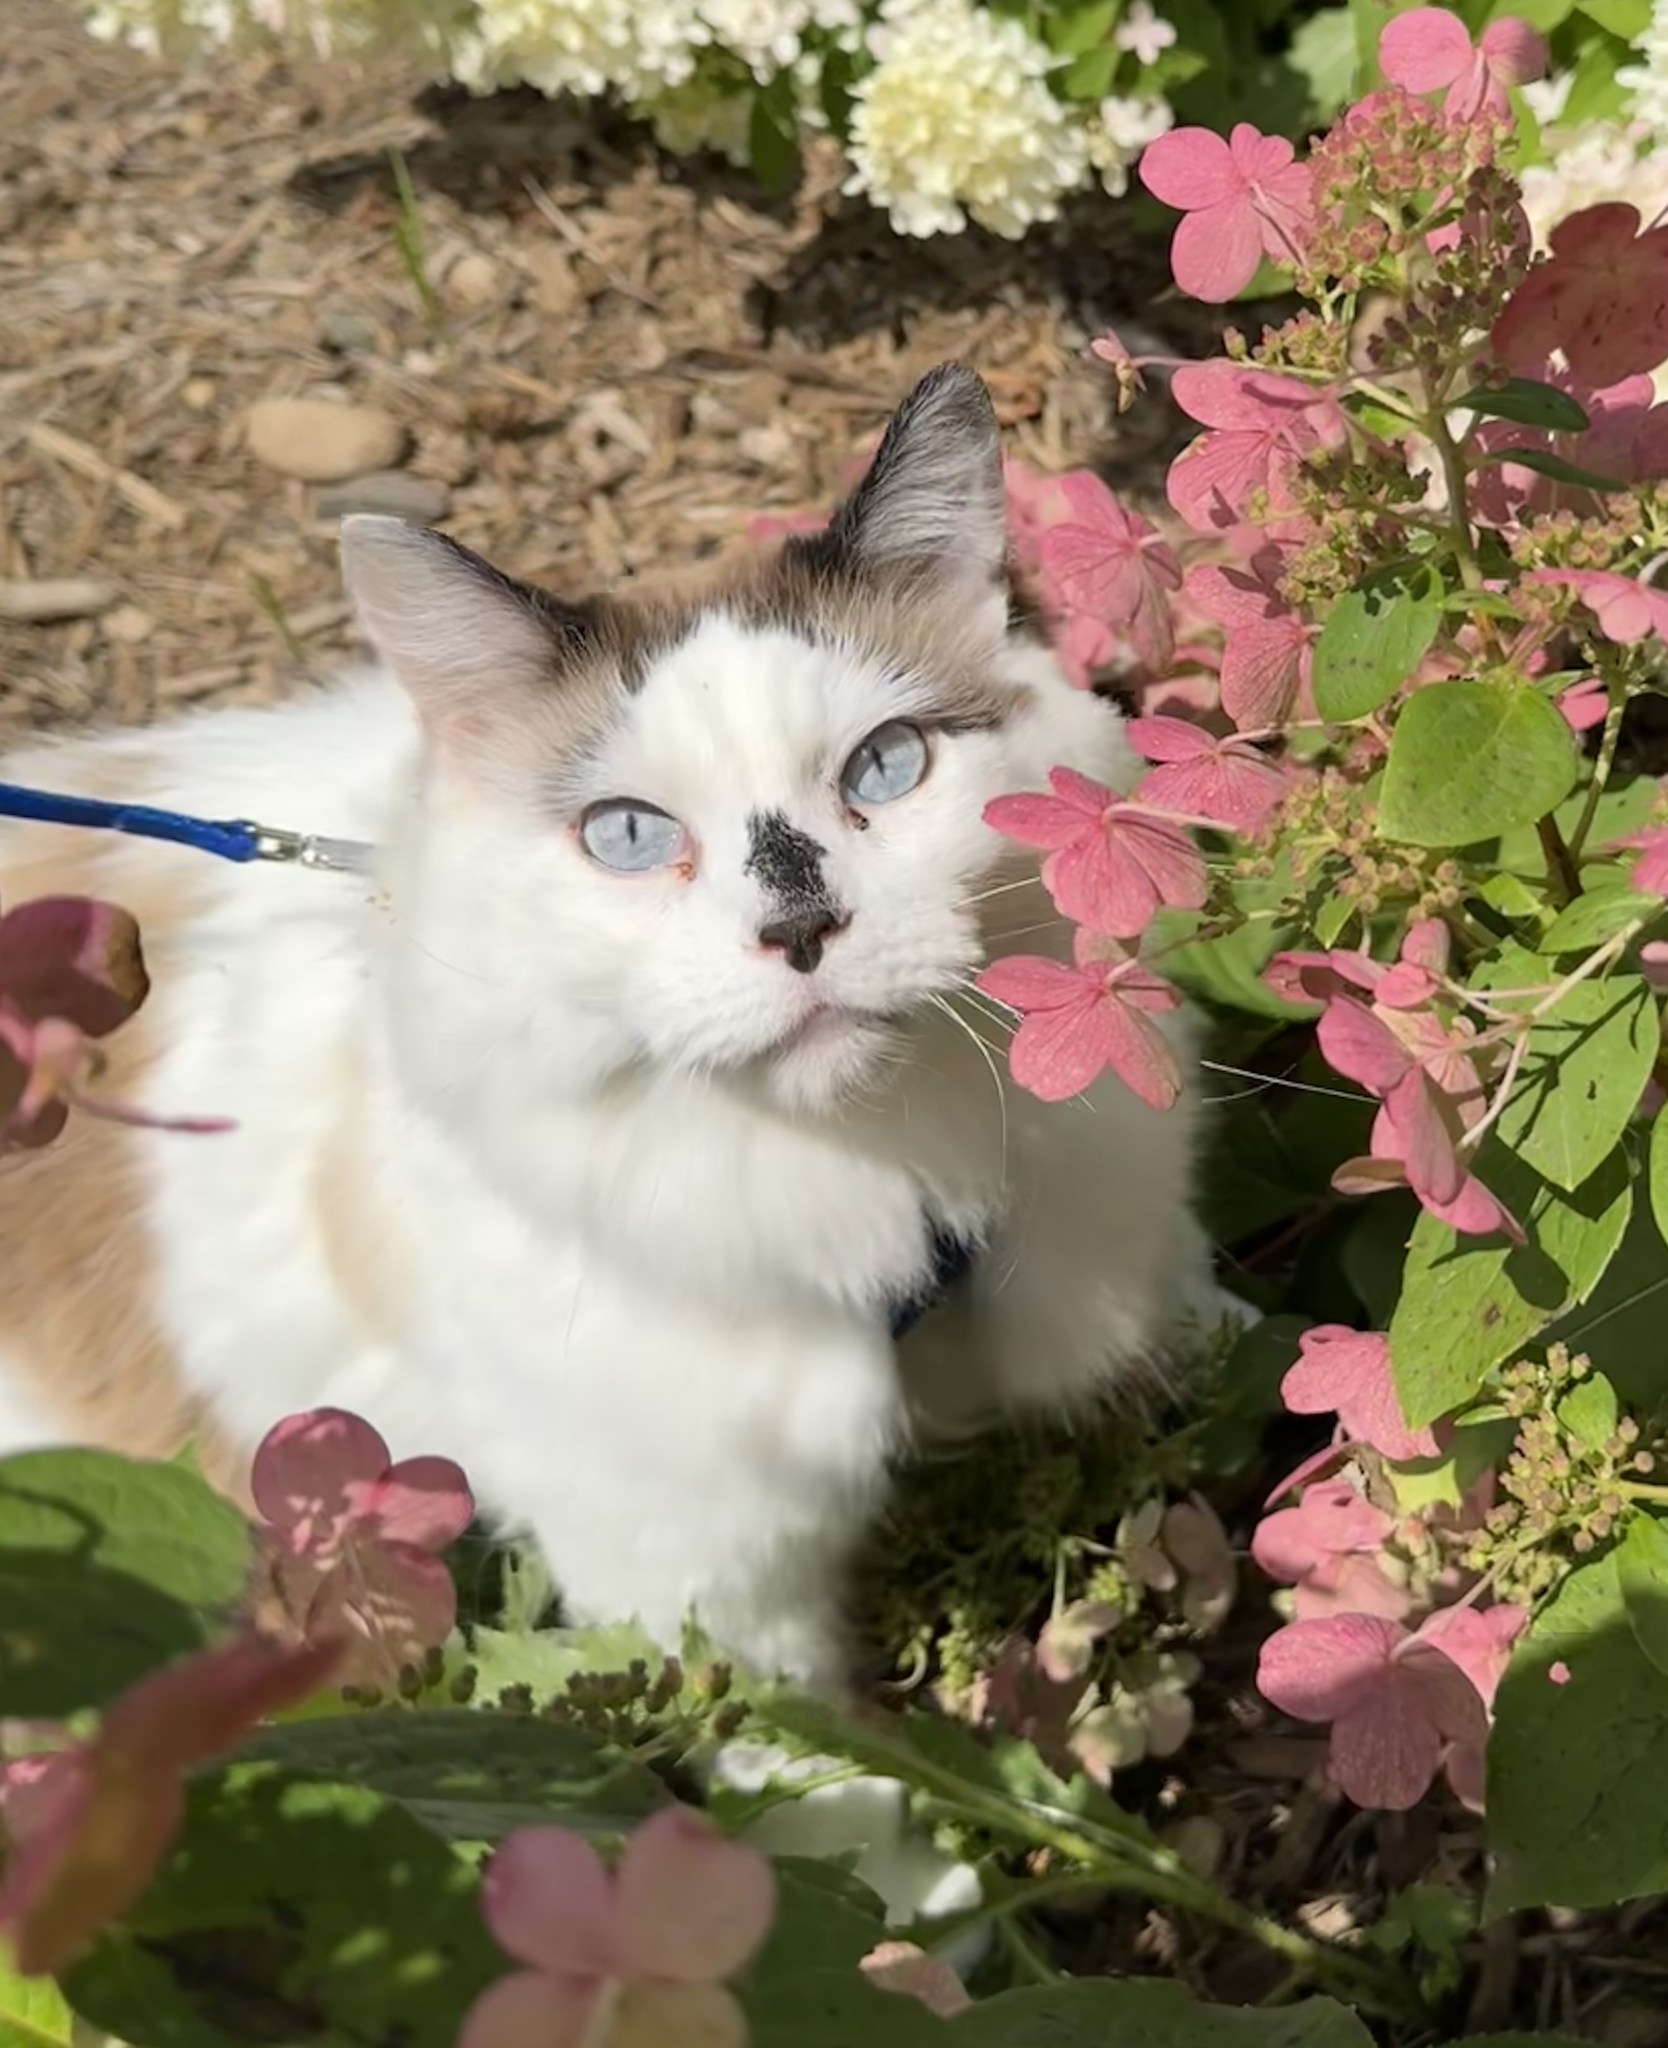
(1121,130)
(1144,33)
(768,35)
(335,28)
(956,121)
(1647,80)
(637,48)
(167,28)
(702,113)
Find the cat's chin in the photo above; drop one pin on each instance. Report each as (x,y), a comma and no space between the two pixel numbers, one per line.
(830,1055)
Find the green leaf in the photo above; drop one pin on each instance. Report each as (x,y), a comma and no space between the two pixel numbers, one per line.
(1597,915)
(1226,970)
(471,1776)
(773,134)
(1659,1173)
(108,1568)
(1578,1772)
(1470,759)
(1642,1561)
(294,1911)
(32,2012)
(1588,1410)
(1089,76)
(1323,54)
(806,1990)
(1527,402)
(1471,1303)
(1372,641)
(1545,463)
(1543,15)
(1586,1067)
(1619,1325)
(1077,29)
(1628,19)
(1135,2014)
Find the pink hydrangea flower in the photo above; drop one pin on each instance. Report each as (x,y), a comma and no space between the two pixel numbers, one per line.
(1650,870)
(1111,865)
(88,1825)
(1242,198)
(1397,1701)
(1202,776)
(1347,1372)
(1352,1583)
(1112,566)
(1430,50)
(1585,704)
(353,1538)
(1627,610)
(1079,1021)
(636,1955)
(1602,298)
(1330,1520)
(1263,425)
(1267,649)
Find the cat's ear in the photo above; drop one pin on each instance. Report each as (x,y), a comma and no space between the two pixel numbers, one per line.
(471,645)
(933,494)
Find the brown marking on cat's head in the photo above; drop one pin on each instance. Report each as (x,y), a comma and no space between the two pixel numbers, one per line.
(80,1326)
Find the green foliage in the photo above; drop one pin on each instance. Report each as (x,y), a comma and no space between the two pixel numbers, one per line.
(1578,1770)
(1137,2015)
(1471,760)
(1373,640)
(33,2012)
(107,1568)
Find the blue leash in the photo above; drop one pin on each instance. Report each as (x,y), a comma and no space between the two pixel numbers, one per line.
(231,839)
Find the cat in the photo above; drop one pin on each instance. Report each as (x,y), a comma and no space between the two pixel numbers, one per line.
(605,1135)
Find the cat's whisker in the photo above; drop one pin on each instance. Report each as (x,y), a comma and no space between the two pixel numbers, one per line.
(1004,889)
(1283,1081)
(961,1024)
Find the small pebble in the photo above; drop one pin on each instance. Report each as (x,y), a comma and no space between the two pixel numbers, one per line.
(70,597)
(322,442)
(473,279)
(128,624)
(198,393)
(349,334)
(389,491)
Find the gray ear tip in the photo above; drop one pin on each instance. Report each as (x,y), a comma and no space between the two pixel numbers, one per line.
(956,387)
(359,529)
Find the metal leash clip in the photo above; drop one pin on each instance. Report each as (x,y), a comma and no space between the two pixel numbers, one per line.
(311,849)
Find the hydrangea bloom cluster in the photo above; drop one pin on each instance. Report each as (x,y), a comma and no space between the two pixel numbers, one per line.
(951,111)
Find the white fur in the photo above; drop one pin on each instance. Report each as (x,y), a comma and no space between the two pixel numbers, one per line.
(639,1257)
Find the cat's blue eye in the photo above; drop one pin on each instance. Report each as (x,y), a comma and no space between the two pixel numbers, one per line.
(630,837)
(888,764)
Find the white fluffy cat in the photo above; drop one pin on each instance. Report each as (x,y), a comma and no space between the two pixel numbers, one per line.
(601,1139)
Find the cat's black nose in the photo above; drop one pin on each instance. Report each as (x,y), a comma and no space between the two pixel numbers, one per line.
(799,937)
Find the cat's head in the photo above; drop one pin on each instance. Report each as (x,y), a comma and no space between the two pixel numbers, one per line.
(741,835)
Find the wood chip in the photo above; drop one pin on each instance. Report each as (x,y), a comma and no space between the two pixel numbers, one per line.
(70,597)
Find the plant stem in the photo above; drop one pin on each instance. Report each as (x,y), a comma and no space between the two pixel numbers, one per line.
(1561,870)
(1453,475)
(1601,767)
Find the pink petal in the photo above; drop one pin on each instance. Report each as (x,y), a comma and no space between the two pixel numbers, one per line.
(1515,53)
(1167,739)
(305,1466)
(902,1967)
(1234,786)
(1035,820)
(653,2015)
(1056,1054)
(1140,1055)
(1424,1137)
(1348,1372)
(72,957)
(1212,481)
(530,2010)
(1466,1770)
(1092,799)
(1427,945)
(1330,1520)
(693,1906)
(1166,855)
(1264,669)
(192,1711)
(1386,1751)
(548,1901)
(1360,1046)
(391,1601)
(1191,167)
(1424,50)
(1478,1641)
(1026,982)
(1105,884)
(1215,253)
(1320,1670)
(422,1501)
(1349,1585)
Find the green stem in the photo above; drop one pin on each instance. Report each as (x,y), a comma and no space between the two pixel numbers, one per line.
(1601,767)
(1561,871)
(1453,473)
